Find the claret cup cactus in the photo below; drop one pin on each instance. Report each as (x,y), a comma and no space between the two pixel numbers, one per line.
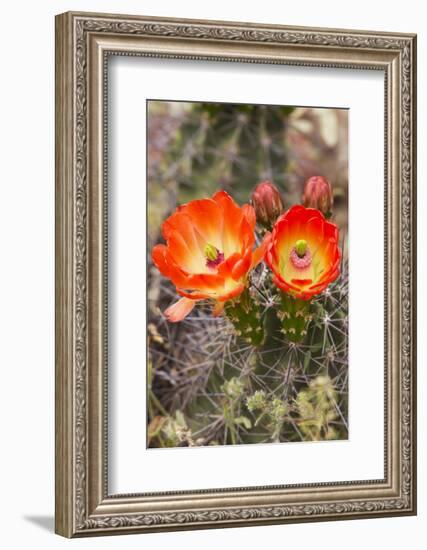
(304,257)
(261,291)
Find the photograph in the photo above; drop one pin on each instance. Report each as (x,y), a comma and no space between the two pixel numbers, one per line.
(247,274)
(235,272)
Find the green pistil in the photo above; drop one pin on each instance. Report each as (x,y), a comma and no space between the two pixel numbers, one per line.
(211,252)
(301,248)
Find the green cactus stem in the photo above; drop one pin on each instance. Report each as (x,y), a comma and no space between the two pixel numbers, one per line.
(236,391)
(295,316)
(228,145)
(245,314)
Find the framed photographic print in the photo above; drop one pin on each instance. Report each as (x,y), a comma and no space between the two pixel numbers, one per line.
(235,274)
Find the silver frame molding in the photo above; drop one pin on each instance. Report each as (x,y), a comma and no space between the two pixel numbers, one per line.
(84,42)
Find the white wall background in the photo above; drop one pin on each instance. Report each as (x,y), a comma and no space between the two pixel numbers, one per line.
(27,274)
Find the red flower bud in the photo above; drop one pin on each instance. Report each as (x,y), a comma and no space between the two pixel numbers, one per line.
(267,203)
(318,194)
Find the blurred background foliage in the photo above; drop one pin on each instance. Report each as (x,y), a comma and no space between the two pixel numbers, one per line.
(206,386)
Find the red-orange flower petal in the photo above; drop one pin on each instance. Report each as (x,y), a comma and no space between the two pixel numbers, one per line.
(193,295)
(180,309)
(249,213)
(242,265)
(165,264)
(260,252)
(158,255)
(237,232)
(232,293)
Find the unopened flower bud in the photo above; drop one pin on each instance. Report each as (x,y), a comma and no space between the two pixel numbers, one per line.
(267,203)
(318,194)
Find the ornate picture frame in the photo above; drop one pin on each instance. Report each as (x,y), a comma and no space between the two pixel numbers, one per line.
(84,42)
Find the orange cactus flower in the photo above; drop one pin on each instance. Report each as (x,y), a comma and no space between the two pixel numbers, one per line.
(208,252)
(303,252)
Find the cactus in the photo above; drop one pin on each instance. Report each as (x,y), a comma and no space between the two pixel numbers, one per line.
(234,391)
(245,315)
(228,146)
(295,316)
(272,368)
